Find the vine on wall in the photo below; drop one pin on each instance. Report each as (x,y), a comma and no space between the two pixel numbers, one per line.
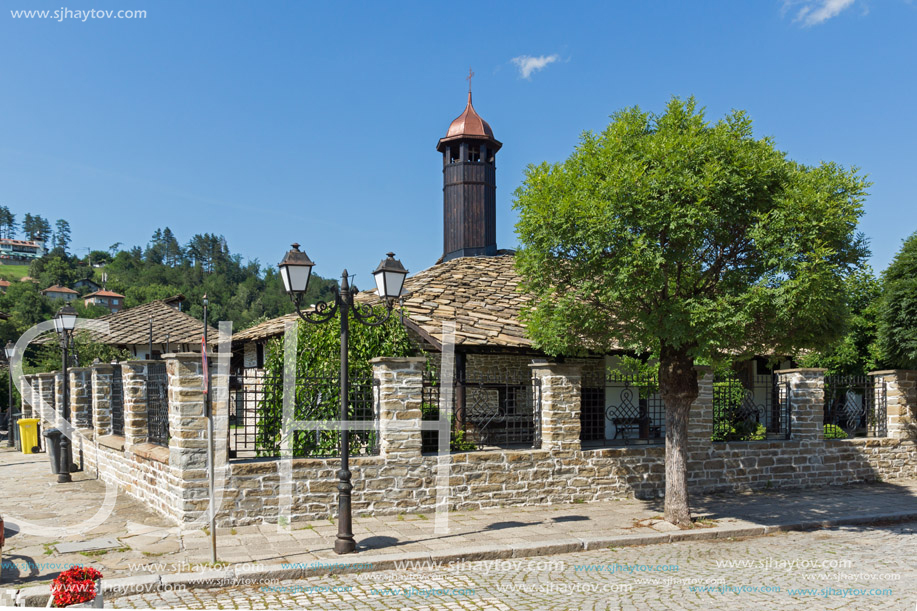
(318,387)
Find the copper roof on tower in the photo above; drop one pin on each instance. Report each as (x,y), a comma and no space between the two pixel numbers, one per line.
(469,124)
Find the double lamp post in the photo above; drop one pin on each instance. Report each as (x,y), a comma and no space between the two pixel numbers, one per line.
(296,269)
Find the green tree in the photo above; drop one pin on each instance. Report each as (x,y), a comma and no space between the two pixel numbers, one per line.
(690,240)
(857,352)
(7,223)
(898,310)
(61,235)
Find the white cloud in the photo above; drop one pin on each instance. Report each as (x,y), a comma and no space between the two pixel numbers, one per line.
(814,12)
(528,64)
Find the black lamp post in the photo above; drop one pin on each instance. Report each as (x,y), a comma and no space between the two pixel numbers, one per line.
(64,323)
(296,269)
(11,421)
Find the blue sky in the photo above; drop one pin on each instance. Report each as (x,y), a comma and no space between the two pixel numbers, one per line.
(317,122)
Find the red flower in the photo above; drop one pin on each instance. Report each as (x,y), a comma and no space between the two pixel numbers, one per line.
(75,585)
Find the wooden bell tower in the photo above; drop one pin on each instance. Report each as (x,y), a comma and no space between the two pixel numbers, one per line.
(469,186)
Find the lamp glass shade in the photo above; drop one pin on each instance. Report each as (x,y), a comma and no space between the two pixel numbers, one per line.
(65,319)
(390,277)
(10,350)
(296,269)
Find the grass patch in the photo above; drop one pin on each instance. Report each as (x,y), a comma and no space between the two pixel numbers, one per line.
(49,547)
(13,273)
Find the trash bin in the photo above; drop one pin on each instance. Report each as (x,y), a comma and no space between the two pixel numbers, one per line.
(52,445)
(28,434)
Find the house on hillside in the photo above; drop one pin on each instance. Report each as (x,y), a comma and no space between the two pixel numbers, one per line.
(114,302)
(469,302)
(60,292)
(12,251)
(87,283)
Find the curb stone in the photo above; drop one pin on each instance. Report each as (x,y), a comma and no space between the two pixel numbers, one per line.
(37,596)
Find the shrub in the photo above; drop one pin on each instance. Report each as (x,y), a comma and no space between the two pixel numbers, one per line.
(832,431)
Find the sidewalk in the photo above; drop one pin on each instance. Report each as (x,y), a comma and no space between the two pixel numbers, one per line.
(144,543)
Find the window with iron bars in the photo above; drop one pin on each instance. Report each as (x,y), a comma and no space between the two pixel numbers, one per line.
(855,406)
(486,412)
(117,402)
(750,407)
(256,416)
(157,406)
(621,410)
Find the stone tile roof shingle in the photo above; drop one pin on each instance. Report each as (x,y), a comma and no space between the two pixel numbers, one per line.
(479,294)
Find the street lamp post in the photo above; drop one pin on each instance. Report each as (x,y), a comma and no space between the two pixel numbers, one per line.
(296,269)
(64,323)
(11,421)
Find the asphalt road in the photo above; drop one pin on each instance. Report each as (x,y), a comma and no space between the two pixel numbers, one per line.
(847,568)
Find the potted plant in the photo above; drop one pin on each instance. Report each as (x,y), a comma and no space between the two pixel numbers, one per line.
(78,586)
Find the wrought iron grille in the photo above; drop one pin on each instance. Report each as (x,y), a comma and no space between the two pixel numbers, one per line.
(485,412)
(855,406)
(256,416)
(749,408)
(117,402)
(157,406)
(621,410)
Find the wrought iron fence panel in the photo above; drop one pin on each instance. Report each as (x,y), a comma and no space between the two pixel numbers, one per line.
(157,404)
(855,406)
(485,412)
(749,408)
(256,416)
(117,402)
(621,410)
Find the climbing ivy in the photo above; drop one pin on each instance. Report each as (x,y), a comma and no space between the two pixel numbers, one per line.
(318,387)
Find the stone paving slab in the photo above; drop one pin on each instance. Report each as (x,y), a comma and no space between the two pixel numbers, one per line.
(151,544)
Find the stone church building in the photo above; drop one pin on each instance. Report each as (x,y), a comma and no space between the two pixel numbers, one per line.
(475,287)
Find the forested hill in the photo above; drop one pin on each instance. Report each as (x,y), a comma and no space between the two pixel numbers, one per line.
(244,292)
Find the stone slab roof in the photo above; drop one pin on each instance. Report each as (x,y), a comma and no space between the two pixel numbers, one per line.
(132,326)
(479,294)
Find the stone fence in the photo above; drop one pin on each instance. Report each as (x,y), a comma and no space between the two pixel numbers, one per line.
(173,479)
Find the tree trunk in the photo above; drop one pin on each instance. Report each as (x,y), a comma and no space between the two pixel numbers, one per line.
(678,388)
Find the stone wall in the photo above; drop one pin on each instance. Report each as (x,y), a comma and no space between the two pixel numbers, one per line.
(173,479)
(403,480)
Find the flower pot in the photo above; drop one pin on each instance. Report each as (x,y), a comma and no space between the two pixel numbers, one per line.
(96,603)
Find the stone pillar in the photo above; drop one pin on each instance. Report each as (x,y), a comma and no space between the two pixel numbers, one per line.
(134,383)
(900,402)
(81,398)
(806,388)
(101,398)
(45,400)
(700,419)
(561,405)
(400,400)
(187,433)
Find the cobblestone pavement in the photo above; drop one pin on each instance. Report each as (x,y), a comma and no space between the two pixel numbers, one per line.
(846,568)
(149,543)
